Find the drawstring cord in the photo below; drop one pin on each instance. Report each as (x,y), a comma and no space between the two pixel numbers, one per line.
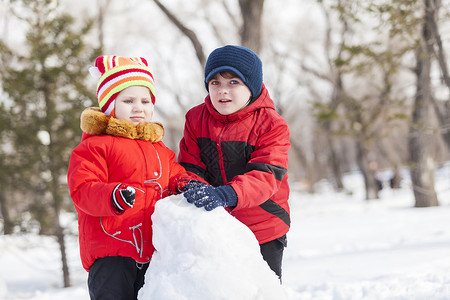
(133,228)
(134,237)
(138,189)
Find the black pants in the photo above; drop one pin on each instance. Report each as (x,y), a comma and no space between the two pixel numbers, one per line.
(272,253)
(116,277)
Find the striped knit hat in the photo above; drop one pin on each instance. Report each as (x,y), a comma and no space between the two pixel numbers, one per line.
(115,74)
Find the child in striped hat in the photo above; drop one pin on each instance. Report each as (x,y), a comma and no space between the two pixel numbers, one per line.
(116,175)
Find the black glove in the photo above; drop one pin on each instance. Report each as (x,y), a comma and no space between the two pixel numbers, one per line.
(123,197)
(211,197)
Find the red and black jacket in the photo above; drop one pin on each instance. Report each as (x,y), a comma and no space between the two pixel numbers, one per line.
(249,151)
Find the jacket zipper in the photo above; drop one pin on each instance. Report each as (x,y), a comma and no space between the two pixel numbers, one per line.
(219,150)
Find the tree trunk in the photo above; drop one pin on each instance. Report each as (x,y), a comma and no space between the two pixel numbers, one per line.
(59,233)
(54,186)
(420,135)
(102,9)
(395,180)
(8,225)
(301,156)
(367,172)
(252,11)
(443,113)
(334,162)
(338,95)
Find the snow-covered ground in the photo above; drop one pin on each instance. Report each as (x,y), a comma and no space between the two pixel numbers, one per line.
(339,247)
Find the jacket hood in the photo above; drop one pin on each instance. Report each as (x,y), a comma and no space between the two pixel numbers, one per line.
(95,122)
(263,101)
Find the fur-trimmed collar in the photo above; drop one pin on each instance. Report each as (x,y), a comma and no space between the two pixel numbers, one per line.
(95,122)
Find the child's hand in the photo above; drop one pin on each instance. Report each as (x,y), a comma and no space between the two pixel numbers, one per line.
(193,184)
(211,197)
(123,197)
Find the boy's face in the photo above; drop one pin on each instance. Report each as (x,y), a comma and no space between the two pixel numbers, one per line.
(134,104)
(228,94)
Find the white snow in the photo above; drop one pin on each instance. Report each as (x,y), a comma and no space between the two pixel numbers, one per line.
(205,255)
(339,247)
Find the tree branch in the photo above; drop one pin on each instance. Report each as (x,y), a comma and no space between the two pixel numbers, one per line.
(186,31)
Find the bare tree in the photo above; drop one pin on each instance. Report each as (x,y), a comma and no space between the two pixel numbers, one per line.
(8,224)
(421,137)
(191,35)
(337,96)
(442,111)
(250,30)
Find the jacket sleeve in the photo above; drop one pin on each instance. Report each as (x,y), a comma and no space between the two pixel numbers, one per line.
(189,155)
(179,177)
(88,180)
(266,168)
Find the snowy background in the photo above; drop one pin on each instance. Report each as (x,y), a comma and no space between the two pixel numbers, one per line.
(339,247)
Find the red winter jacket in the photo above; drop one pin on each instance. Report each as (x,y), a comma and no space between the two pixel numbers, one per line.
(249,151)
(97,165)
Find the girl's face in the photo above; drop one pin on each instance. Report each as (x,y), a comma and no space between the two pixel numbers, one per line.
(134,104)
(228,93)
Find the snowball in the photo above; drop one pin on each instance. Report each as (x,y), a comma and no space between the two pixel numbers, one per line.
(205,255)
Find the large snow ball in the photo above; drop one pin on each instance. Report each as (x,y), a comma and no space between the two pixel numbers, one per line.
(205,255)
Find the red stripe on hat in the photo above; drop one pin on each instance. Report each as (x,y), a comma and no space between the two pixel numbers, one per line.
(99,64)
(140,60)
(110,100)
(144,61)
(112,62)
(123,72)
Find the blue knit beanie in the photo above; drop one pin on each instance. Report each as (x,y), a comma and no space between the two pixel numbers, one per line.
(240,60)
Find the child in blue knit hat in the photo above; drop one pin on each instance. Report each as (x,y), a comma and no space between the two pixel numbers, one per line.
(239,144)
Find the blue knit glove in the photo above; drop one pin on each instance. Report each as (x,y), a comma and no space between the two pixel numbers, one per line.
(193,184)
(211,197)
